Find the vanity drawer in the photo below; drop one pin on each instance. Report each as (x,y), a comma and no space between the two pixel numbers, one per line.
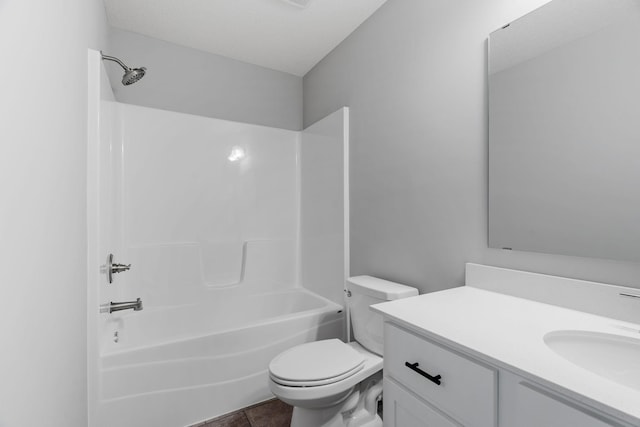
(467,389)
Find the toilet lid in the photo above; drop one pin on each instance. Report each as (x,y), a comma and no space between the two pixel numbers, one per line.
(316,363)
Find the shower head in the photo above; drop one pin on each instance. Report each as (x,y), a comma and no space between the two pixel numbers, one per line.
(131,75)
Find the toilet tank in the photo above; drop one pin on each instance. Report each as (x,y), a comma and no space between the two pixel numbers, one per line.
(363,292)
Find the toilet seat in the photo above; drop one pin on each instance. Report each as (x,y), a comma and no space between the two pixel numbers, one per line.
(316,364)
(316,383)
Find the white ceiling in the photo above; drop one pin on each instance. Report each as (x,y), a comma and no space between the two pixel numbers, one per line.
(277,34)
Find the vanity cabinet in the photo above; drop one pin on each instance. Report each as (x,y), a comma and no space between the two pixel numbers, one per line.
(403,409)
(441,377)
(428,384)
(536,407)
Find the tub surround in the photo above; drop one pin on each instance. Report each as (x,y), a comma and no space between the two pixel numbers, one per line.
(215,240)
(508,331)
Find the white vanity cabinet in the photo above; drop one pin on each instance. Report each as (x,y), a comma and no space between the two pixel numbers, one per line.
(428,384)
(403,409)
(535,407)
(455,385)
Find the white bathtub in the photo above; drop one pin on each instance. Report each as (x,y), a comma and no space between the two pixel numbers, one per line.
(176,366)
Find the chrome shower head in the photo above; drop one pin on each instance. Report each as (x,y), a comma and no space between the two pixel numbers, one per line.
(131,75)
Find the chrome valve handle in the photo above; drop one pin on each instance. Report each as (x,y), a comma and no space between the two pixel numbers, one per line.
(113,268)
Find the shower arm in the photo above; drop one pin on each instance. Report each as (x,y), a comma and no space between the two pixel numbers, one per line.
(131,75)
(116,60)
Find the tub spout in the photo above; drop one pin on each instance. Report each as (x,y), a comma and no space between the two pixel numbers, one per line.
(119,306)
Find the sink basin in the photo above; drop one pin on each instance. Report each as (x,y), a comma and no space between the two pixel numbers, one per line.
(611,356)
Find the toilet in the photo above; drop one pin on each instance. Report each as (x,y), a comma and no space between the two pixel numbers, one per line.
(335,384)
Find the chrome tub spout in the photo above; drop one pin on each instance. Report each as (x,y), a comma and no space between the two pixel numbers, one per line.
(119,306)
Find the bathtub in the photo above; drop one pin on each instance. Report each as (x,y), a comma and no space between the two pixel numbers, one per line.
(178,365)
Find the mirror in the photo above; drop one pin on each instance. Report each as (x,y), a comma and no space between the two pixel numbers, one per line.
(564,130)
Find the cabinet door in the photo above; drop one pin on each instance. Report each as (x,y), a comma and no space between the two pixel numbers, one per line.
(403,409)
(537,408)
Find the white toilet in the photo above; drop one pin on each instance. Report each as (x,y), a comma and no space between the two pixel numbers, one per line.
(333,384)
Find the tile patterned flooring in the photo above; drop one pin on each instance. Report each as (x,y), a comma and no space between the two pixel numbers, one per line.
(272,413)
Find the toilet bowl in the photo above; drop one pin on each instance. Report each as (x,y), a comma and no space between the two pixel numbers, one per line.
(335,384)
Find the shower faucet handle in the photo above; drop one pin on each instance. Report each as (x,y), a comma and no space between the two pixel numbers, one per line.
(113,268)
(119,268)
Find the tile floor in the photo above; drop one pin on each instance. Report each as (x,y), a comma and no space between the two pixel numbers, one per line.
(272,413)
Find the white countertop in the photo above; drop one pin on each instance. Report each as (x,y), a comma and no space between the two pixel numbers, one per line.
(508,332)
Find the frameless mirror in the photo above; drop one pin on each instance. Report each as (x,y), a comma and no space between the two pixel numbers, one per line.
(564,130)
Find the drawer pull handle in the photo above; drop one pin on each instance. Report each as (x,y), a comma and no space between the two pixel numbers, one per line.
(414,367)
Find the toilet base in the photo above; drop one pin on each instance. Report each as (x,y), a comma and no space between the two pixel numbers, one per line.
(358,410)
(328,417)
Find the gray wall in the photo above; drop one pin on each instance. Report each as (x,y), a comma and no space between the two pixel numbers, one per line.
(43,213)
(195,82)
(414,76)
